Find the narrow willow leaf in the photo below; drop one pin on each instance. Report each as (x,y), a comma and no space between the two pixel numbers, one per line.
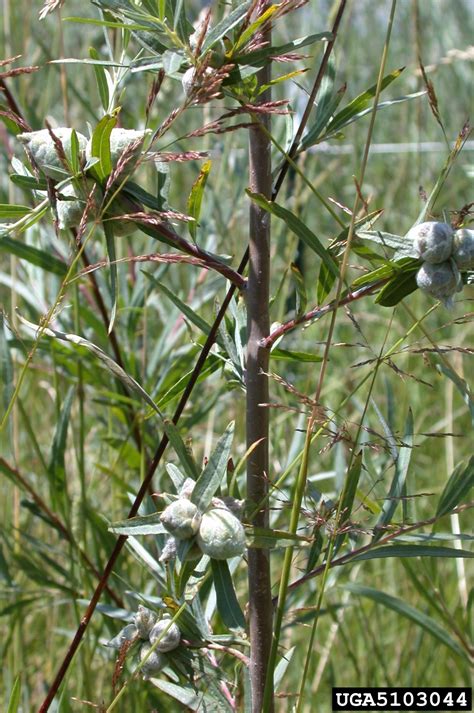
(140,525)
(301,298)
(296,226)
(257,58)
(57,464)
(227,603)
(185,458)
(6,366)
(101,79)
(462,386)
(380,107)
(8,211)
(326,280)
(133,190)
(15,696)
(459,484)
(249,32)
(104,23)
(28,182)
(361,102)
(302,357)
(388,240)
(397,550)
(225,26)
(110,243)
(262,537)
(282,666)
(185,310)
(187,697)
(195,198)
(214,472)
(74,157)
(399,287)
(406,610)
(399,478)
(348,496)
(100,145)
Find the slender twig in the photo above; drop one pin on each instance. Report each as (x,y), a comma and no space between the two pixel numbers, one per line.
(56,522)
(318,312)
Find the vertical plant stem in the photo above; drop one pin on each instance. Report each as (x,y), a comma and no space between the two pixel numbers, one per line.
(258,326)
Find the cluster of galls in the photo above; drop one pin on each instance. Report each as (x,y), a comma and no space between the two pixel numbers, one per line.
(445,254)
(217,532)
(161,636)
(157,636)
(72,198)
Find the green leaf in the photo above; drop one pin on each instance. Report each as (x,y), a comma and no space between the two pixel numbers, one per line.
(28,182)
(409,612)
(195,198)
(140,525)
(100,145)
(15,696)
(179,447)
(214,472)
(185,695)
(259,57)
(301,298)
(459,484)
(397,550)
(104,23)
(227,603)
(248,33)
(348,496)
(8,211)
(399,287)
(462,386)
(388,240)
(326,280)
(296,226)
(267,538)
(35,256)
(110,243)
(225,26)
(361,102)
(74,155)
(397,485)
(185,310)
(57,464)
(6,365)
(302,357)
(101,79)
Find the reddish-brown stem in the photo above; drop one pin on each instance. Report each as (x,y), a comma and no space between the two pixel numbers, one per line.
(318,312)
(257,417)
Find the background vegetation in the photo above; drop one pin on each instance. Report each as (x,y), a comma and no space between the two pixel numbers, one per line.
(68,436)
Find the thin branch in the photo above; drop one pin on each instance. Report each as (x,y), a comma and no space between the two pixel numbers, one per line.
(318,312)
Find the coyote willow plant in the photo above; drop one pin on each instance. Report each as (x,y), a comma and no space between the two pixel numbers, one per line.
(178,229)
